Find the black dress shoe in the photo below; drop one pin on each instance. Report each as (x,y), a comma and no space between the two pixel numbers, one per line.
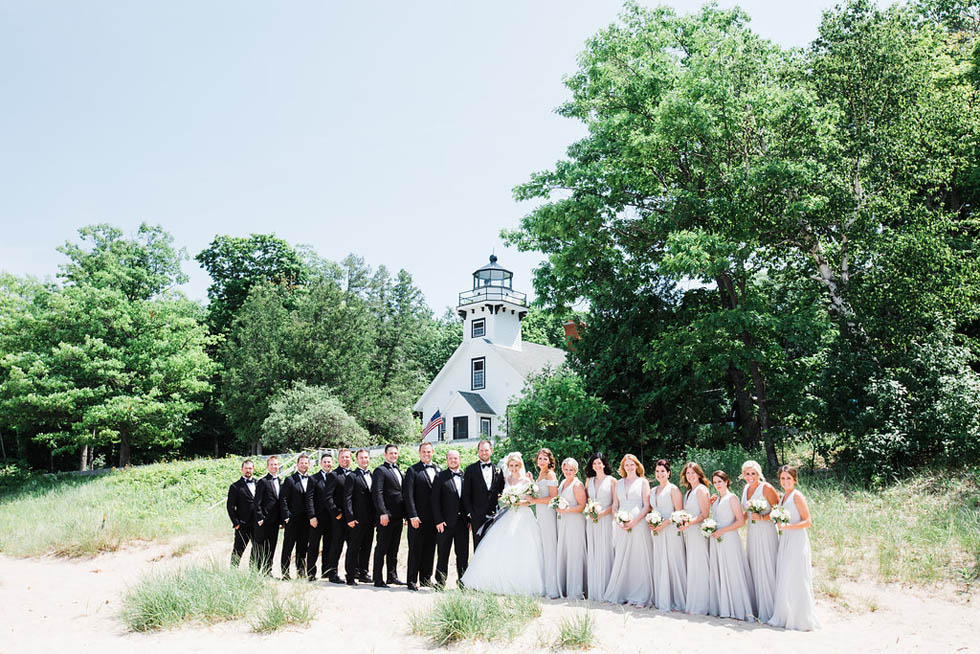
(351,582)
(335,580)
(364,579)
(412,586)
(395,581)
(381,584)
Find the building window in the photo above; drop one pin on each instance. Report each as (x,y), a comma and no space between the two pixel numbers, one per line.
(485,428)
(478,379)
(479,328)
(461,427)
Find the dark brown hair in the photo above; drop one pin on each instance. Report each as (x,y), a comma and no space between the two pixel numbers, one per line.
(662,462)
(788,469)
(722,475)
(549,454)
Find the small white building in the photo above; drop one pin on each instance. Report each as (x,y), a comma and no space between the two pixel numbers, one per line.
(486,373)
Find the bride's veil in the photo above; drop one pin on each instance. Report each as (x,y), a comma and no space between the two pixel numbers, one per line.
(503,465)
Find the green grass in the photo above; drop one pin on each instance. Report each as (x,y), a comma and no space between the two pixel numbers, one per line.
(469,615)
(212,593)
(576,632)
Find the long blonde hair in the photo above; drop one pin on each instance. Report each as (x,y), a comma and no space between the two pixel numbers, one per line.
(751,463)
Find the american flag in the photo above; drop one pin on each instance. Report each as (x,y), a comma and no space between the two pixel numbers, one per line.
(434,422)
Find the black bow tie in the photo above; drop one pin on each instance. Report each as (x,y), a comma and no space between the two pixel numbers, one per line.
(486,465)
(249,480)
(304,476)
(428,465)
(457,474)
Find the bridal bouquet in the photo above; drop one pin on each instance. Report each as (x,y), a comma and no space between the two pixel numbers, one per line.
(623,518)
(558,502)
(680,518)
(708,527)
(592,509)
(514,495)
(780,516)
(757,506)
(654,519)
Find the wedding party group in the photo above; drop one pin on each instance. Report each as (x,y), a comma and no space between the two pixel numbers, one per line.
(610,539)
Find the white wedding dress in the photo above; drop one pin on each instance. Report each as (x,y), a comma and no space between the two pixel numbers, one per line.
(510,558)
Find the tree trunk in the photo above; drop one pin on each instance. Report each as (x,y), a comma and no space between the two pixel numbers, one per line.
(748,425)
(125,454)
(762,402)
(84,458)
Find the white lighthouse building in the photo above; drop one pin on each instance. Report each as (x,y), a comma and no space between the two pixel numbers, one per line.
(486,373)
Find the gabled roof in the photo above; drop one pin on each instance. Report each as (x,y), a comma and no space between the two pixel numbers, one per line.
(531,358)
(477,402)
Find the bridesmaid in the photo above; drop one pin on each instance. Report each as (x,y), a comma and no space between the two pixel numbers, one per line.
(571,534)
(731,595)
(793,607)
(547,520)
(669,556)
(760,539)
(696,503)
(631,579)
(601,486)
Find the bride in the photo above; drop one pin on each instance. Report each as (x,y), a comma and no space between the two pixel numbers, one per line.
(510,559)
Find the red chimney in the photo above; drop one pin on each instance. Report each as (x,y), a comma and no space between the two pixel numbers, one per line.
(572,328)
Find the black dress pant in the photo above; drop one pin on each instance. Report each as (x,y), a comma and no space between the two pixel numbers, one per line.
(421,552)
(297,535)
(243,535)
(456,537)
(339,534)
(266,539)
(321,533)
(358,550)
(386,551)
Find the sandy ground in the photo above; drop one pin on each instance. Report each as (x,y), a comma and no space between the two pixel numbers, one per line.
(52,604)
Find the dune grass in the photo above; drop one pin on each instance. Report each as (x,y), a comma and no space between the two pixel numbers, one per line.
(210,593)
(575,632)
(469,615)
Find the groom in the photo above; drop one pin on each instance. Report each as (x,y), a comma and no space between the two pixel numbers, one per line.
(482,485)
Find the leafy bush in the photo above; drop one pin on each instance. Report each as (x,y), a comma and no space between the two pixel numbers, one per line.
(310,417)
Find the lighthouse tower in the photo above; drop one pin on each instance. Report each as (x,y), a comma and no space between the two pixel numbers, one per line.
(492,309)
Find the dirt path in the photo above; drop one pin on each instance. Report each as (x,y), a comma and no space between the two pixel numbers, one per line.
(51,604)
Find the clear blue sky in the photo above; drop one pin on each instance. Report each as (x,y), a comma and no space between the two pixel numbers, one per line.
(394,130)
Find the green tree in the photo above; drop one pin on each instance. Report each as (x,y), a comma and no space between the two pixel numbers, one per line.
(310,417)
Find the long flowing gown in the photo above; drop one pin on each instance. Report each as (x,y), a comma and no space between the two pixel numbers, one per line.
(793,607)
(548,527)
(696,547)
(669,557)
(599,539)
(631,579)
(760,549)
(571,547)
(731,595)
(510,559)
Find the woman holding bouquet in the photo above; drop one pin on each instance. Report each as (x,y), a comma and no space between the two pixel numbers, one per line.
(600,488)
(669,557)
(731,595)
(571,533)
(793,606)
(760,538)
(697,504)
(631,579)
(547,520)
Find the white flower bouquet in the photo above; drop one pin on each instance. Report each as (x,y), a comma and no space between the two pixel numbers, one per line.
(654,519)
(680,518)
(708,527)
(780,516)
(513,496)
(623,518)
(592,509)
(558,502)
(757,506)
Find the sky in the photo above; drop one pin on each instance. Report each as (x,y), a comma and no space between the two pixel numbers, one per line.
(392,130)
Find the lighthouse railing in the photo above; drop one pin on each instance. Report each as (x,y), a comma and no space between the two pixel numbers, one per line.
(491,294)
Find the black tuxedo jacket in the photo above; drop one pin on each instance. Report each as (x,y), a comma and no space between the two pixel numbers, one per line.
(418,493)
(317,493)
(266,503)
(292,498)
(241,504)
(386,487)
(358,504)
(478,501)
(447,504)
(335,501)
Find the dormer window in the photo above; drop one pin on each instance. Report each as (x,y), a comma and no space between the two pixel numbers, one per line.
(479,328)
(478,374)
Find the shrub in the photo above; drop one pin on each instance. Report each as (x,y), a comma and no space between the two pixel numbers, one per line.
(310,416)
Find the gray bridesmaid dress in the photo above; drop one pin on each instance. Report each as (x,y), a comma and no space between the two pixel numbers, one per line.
(599,539)
(548,525)
(793,607)
(696,547)
(631,580)
(669,557)
(571,547)
(760,549)
(731,595)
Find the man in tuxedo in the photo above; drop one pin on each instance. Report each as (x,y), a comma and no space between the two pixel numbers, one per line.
(359,515)
(419,479)
(389,506)
(267,515)
(241,510)
(339,531)
(318,491)
(452,525)
(292,503)
(482,485)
